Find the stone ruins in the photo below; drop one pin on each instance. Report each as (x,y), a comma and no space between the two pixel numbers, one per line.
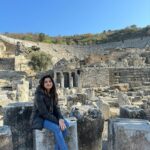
(104,90)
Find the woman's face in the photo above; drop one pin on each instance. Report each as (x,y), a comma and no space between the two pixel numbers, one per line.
(48,84)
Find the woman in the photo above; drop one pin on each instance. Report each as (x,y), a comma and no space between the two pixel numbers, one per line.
(47,114)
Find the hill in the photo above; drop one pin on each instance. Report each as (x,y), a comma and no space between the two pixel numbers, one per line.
(130,32)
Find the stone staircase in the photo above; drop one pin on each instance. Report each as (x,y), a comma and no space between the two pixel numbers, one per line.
(56,51)
(59,51)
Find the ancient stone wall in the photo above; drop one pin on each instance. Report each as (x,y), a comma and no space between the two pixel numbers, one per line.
(130,43)
(12,75)
(96,58)
(94,77)
(7,63)
(134,76)
(2,46)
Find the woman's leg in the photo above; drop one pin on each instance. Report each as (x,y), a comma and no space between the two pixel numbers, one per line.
(64,132)
(58,134)
(56,146)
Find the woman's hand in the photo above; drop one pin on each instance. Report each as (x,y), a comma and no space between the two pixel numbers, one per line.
(62,124)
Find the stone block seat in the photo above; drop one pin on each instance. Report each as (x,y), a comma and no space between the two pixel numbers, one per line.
(132,112)
(5,138)
(44,139)
(128,134)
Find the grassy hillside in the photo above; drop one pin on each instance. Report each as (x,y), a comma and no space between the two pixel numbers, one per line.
(87,39)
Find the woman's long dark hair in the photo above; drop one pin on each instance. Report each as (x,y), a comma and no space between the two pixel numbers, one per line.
(53,89)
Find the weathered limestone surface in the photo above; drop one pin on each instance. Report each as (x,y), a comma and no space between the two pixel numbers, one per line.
(7,63)
(105,108)
(128,134)
(21,63)
(23,91)
(123,99)
(146,107)
(44,139)
(2,47)
(5,138)
(124,87)
(94,77)
(90,124)
(13,75)
(133,76)
(17,116)
(75,98)
(132,112)
(98,103)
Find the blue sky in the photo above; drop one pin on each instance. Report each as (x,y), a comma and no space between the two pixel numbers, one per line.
(69,17)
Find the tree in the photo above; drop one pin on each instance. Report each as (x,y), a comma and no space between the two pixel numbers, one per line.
(41,37)
(133,26)
(40,61)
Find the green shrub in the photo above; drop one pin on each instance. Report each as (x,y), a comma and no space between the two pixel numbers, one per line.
(40,61)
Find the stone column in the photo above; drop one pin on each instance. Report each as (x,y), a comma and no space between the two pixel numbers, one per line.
(55,78)
(70,80)
(62,79)
(77,79)
(17,116)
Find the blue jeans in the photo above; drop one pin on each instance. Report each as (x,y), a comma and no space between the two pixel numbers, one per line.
(58,133)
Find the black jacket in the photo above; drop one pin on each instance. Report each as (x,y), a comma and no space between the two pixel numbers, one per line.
(44,108)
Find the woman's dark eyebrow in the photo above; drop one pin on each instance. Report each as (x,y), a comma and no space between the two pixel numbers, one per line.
(48,81)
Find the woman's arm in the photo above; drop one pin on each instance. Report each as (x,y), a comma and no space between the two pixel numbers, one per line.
(58,112)
(44,113)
